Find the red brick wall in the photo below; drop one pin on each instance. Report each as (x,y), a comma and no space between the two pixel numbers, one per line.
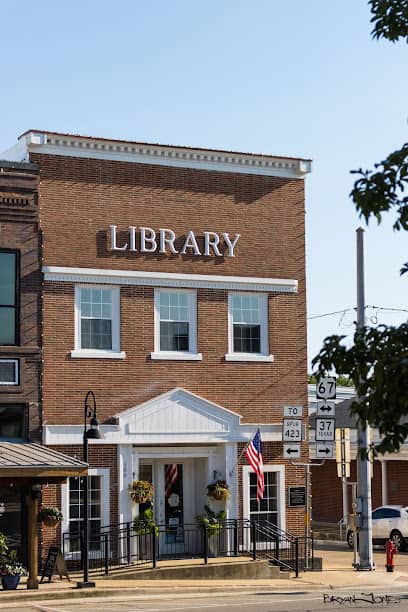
(397,482)
(81,197)
(327,491)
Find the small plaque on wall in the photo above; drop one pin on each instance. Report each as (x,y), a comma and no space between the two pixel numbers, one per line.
(297,497)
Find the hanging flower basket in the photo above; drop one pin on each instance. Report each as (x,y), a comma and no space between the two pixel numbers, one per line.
(141,491)
(218,490)
(50,516)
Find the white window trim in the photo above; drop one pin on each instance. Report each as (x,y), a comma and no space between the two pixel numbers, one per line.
(264,355)
(115,352)
(281,506)
(16,380)
(191,354)
(104,473)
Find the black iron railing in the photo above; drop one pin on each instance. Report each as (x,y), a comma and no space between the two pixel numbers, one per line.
(114,546)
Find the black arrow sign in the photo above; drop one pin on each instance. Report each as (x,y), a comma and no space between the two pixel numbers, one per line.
(292,450)
(324,450)
(326,408)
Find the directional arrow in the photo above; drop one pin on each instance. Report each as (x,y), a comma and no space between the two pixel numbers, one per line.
(324,450)
(326,408)
(292,450)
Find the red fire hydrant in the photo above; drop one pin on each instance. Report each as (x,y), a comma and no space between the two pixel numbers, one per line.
(390,551)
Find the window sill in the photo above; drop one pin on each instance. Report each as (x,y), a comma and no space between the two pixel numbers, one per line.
(248,357)
(176,356)
(90,354)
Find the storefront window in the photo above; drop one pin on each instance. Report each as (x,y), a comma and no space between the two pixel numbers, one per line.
(76,492)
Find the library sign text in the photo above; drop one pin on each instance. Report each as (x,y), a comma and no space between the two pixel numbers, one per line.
(164,241)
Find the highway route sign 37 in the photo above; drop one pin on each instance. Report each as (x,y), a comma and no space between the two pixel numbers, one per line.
(325,430)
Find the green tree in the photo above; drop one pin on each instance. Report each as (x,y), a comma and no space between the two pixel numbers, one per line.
(377,363)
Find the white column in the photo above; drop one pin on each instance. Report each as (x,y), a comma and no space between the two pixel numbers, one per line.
(231,475)
(126,469)
(384,487)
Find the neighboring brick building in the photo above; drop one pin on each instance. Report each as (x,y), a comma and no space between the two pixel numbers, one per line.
(20,331)
(174,288)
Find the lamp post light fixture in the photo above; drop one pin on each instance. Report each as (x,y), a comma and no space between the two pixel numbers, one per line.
(93,433)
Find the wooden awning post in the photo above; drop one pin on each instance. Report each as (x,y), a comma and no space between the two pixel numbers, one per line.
(32,582)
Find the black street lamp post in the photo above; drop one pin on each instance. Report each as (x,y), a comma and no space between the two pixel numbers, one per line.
(93,433)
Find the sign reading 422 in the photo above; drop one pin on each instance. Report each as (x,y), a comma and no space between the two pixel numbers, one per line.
(326,388)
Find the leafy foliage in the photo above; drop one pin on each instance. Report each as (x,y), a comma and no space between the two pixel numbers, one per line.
(50,513)
(377,364)
(341,381)
(376,192)
(390,19)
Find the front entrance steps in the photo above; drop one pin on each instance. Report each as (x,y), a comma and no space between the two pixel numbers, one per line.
(224,568)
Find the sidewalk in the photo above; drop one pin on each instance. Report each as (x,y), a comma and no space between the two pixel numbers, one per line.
(337,573)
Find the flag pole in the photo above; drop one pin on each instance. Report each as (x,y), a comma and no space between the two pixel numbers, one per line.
(242,452)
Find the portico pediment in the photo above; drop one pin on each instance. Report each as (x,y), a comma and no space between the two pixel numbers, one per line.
(178,412)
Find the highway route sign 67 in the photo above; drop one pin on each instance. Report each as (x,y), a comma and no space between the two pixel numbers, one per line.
(292,430)
(325,430)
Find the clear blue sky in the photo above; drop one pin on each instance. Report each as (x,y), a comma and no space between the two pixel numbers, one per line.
(286,78)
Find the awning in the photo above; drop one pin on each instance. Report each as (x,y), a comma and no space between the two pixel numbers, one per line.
(25,459)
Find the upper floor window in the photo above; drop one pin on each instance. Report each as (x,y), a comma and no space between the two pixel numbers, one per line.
(13,422)
(9,297)
(248,327)
(97,327)
(175,325)
(9,372)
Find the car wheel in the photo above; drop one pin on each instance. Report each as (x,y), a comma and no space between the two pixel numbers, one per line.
(396,537)
(350,538)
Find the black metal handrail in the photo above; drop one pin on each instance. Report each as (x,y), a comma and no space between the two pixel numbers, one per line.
(121,545)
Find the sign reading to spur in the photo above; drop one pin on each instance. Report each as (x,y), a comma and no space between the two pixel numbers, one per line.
(147,240)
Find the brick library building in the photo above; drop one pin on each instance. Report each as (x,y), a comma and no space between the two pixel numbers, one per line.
(174,290)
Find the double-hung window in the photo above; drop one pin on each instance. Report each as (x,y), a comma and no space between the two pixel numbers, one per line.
(9,298)
(248,327)
(175,325)
(97,328)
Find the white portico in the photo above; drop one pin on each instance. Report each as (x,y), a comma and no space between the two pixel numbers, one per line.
(175,428)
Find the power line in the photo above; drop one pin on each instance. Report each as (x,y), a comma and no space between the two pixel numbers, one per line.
(343,312)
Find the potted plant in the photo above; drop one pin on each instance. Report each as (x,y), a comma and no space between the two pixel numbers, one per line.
(141,491)
(144,525)
(11,570)
(213,523)
(218,490)
(50,516)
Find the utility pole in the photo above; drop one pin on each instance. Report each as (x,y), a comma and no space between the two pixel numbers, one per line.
(363,439)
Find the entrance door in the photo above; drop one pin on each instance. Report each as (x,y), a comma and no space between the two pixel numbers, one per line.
(173,503)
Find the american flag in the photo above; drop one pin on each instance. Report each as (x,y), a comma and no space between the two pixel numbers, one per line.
(171,477)
(254,455)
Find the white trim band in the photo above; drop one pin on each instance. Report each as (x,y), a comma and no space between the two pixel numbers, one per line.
(68,145)
(168,279)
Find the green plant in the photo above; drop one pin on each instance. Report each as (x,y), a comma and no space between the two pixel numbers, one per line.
(51,513)
(211,520)
(218,490)
(145,523)
(11,567)
(3,547)
(141,491)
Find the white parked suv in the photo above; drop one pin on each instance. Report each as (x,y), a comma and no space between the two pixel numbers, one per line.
(388,522)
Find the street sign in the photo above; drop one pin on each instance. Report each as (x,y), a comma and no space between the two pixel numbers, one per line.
(324,450)
(326,388)
(324,408)
(297,496)
(292,430)
(325,430)
(291,451)
(293,411)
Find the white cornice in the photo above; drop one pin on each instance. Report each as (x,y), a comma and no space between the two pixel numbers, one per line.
(49,143)
(168,279)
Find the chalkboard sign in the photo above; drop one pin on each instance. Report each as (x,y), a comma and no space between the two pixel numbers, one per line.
(297,496)
(54,561)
